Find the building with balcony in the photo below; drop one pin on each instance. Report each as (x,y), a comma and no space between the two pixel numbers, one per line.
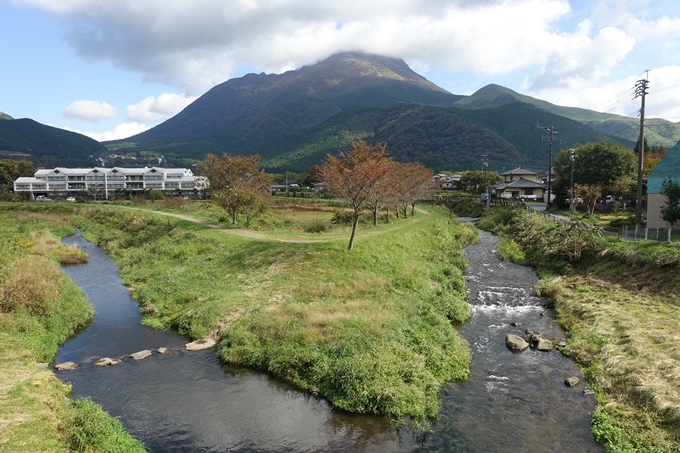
(106,180)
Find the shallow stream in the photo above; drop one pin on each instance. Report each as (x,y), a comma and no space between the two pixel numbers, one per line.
(188,402)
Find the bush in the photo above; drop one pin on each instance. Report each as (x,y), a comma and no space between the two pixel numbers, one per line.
(316,226)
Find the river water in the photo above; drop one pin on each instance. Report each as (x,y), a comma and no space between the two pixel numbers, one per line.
(188,402)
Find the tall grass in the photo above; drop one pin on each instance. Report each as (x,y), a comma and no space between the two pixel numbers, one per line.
(371,330)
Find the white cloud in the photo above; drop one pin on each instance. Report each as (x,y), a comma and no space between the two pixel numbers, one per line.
(89,110)
(123,130)
(196,44)
(574,57)
(153,110)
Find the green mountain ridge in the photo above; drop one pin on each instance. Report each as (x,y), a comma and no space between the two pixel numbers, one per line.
(46,146)
(4,116)
(658,131)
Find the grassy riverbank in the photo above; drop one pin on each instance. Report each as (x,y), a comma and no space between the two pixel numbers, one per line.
(619,301)
(371,330)
(40,308)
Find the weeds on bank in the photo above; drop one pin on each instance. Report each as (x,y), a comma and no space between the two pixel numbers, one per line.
(40,308)
(371,329)
(618,300)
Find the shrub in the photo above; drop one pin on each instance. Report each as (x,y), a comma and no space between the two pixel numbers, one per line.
(316,226)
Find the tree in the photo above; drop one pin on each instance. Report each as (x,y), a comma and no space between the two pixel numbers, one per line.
(600,163)
(10,170)
(382,192)
(238,184)
(413,182)
(352,176)
(472,181)
(625,188)
(670,212)
(591,194)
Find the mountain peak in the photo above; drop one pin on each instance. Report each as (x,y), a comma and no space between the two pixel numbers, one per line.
(4,116)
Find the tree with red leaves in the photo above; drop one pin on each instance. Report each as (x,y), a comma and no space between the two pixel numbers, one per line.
(354,175)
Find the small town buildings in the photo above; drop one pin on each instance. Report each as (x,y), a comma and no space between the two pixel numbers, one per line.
(106,180)
(520,183)
(669,167)
(446,182)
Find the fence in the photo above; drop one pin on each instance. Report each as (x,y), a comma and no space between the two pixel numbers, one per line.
(661,234)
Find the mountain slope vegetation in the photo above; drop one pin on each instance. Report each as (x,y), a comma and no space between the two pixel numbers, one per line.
(46,146)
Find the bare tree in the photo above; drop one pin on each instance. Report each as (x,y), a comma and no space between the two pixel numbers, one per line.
(353,176)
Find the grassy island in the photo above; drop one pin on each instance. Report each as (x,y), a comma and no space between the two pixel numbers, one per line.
(371,330)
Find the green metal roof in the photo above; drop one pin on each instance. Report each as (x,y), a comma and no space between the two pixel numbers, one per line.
(669,167)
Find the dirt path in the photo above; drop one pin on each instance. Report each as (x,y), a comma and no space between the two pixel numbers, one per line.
(252,235)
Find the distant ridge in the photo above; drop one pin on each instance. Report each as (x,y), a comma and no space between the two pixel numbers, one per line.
(658,131)
(4,116)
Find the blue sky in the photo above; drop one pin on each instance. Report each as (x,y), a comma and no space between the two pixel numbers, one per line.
(113,69)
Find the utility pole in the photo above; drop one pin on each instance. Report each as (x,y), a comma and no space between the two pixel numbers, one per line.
(551,132)
(640,91)
(485,164)
(572,158)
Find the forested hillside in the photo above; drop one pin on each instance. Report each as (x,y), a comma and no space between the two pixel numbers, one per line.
(47,146)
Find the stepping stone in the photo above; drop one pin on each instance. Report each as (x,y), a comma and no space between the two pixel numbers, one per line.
(162,350)
(201,344)
(141,355)
(66,366)
(106,361)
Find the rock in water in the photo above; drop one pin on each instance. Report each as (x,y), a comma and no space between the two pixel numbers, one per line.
(106,361)
(141,354)
(201,344)
(66,366)
(515,342)
(544,345)
(572,381)
(162,350)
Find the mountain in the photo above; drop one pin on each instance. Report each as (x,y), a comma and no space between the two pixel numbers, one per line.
(4,116)
(245,113)
(658,131)
(293,119)
(46,146)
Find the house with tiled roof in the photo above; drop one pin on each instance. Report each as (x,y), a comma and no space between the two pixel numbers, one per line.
(520,183)
(669,167)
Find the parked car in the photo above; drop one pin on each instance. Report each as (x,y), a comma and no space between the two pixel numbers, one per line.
(71,199)
(42,198)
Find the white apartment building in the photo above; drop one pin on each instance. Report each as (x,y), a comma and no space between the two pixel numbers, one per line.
(107,180)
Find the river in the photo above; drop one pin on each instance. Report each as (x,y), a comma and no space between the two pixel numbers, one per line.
(188,402)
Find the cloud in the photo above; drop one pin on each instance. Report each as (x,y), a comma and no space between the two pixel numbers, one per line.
(89,110)
(152,109)
(123,130)
(195,44)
